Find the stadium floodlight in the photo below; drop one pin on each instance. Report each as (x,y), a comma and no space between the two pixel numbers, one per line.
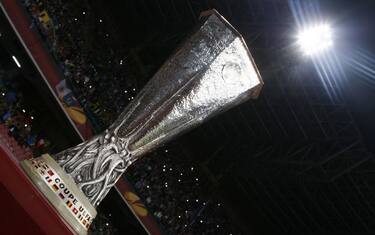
(16,61)
(315,39)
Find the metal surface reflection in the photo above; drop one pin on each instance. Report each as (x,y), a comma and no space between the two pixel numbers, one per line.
(211,72)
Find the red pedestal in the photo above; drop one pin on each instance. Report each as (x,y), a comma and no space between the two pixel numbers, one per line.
(24,210)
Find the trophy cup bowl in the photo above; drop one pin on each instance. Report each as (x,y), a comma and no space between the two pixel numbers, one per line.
(209,73)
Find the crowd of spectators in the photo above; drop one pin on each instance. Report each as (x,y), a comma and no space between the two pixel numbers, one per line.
(18,119)
(172,188)
(80,45)
(169,185)
(102,225)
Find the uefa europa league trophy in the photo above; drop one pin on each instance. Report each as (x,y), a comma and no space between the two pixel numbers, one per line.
(210,72)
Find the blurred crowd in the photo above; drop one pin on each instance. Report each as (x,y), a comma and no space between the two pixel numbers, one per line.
(96,72)
(173,189)
(168,184)
(18,119)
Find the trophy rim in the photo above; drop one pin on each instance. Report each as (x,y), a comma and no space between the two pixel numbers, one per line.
(209,13)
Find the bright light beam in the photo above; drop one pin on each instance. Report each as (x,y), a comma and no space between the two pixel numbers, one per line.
(315,39)
(362,63)
(16,61)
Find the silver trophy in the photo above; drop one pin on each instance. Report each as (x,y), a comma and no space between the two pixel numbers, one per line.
(209,73)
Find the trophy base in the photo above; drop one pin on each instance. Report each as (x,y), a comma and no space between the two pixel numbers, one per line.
(61,191)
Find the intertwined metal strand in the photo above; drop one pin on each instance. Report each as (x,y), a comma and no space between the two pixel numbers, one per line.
(95,165)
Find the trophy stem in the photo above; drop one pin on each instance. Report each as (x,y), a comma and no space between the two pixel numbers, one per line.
(96,165)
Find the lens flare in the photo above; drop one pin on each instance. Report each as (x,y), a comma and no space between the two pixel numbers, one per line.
(315,39)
